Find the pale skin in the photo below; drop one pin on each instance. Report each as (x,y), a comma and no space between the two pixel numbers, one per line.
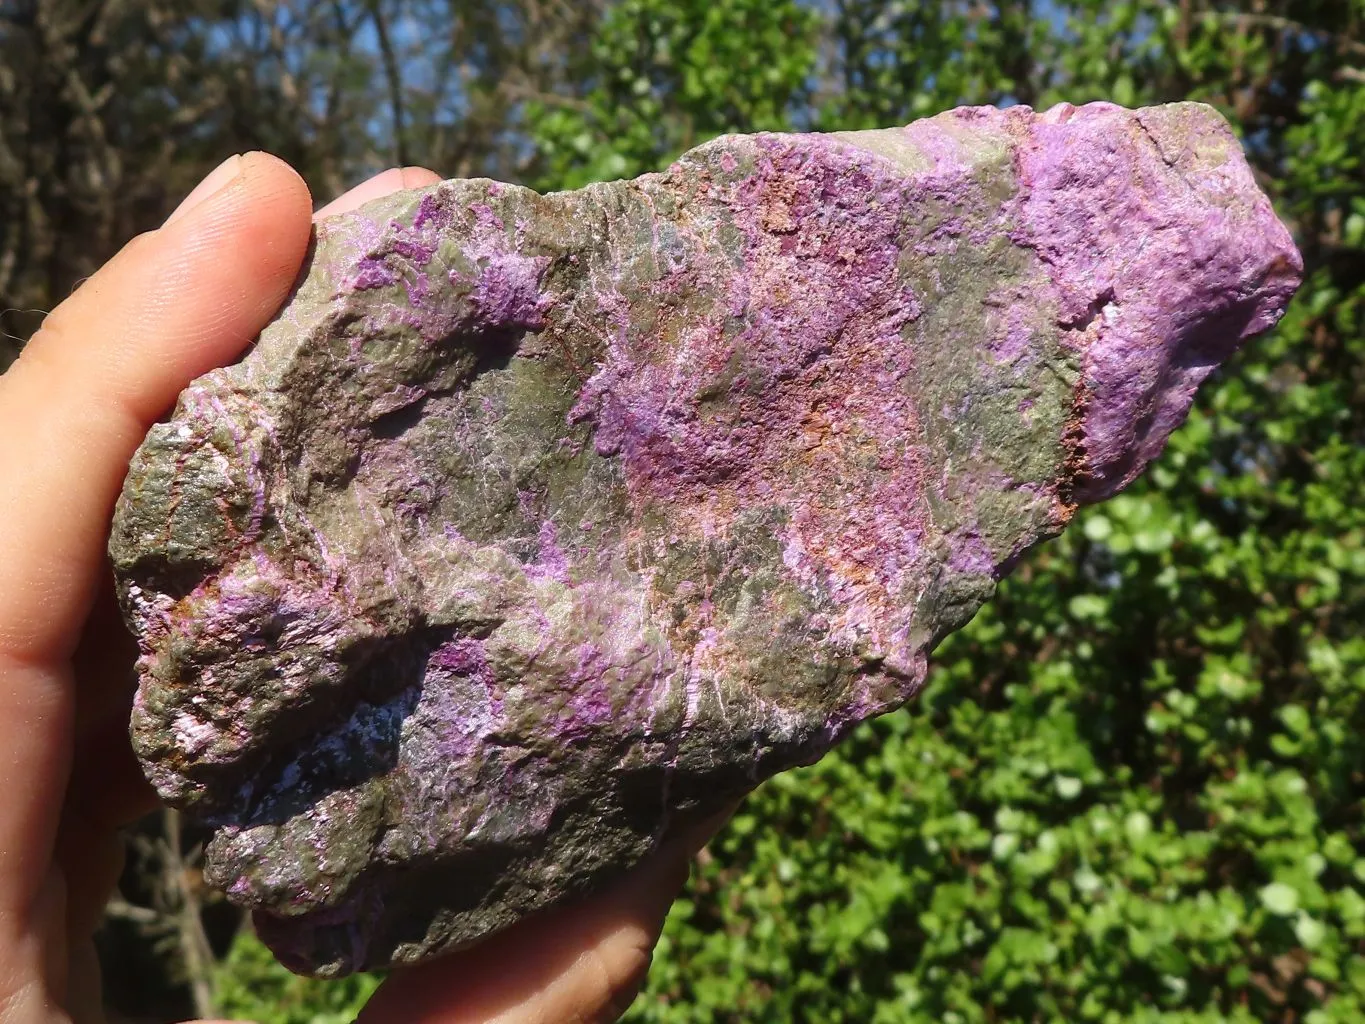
(106,364)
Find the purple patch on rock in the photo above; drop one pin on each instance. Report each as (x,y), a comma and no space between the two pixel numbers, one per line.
(507,293)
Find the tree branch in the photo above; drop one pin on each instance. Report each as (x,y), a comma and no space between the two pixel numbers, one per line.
(144,917)
(195,950)
(394,76)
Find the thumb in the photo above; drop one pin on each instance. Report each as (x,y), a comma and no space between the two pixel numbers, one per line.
(73,408)
(108,361)
(580,962)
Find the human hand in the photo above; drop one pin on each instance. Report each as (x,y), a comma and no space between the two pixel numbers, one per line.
(105,365)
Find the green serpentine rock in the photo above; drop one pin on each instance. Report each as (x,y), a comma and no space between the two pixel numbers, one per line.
(538,527)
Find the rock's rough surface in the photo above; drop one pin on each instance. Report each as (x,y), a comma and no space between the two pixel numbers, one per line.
(538,526)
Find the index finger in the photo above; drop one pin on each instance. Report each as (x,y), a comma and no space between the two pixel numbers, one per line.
(377,187)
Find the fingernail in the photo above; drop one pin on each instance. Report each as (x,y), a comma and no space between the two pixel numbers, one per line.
(221,176)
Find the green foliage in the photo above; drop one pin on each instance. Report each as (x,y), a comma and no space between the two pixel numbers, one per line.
(1132,787)
(250,985)
(666,75)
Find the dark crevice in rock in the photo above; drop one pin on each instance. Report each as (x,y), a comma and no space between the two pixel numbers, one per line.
(1092,312)
(397,423)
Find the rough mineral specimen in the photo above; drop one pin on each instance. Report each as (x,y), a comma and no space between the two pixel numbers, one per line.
(537,526)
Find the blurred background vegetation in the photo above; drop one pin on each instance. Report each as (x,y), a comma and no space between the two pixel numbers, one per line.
(1133,788)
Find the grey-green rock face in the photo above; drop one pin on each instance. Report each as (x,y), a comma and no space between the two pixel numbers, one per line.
(537,527)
